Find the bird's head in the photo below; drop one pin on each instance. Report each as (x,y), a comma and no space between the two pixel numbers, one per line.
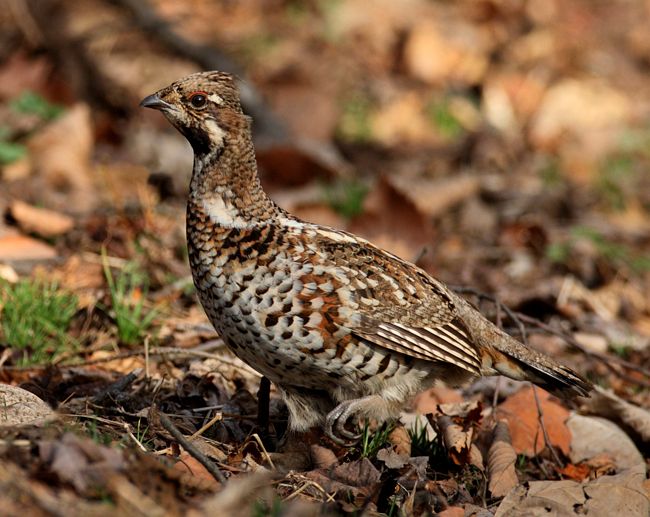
(204,107)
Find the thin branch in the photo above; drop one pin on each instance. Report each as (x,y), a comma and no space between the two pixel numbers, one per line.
(191,449)
(519,319)
(266,124)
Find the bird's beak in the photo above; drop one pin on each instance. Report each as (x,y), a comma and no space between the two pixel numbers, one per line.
(155,102)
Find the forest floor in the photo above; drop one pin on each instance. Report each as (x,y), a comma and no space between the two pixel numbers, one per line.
(503,146)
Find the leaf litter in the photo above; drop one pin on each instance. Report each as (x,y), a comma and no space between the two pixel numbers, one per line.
(529,186)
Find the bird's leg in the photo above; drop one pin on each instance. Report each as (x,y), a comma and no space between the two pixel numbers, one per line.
(338,417)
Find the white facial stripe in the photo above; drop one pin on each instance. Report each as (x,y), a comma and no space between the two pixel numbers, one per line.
(215,98)
(217,134)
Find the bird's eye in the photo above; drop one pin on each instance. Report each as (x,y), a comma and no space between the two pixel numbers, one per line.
(198,100)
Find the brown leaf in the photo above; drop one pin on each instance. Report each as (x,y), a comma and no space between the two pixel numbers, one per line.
(520,410)
(357,473)
(578,472)
(30,219)
(436,53)
(21,247)
(392,459)
(434,198)
(400,440)
(322,457)
(608,495)
(457,423)
(189,465)
(291,166)
(61,154)
(402,230)
(457,440)
(427,401)
(80,461)
(606,403)
(21,72)
(452,511)
(594,436)
(501,462)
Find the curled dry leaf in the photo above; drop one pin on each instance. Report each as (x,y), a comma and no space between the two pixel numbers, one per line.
(456,424)
(501,462)
(459,442)
(44,222)
(520,411)
(608,404)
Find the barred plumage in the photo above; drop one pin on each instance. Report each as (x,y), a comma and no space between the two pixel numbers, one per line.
(339,325)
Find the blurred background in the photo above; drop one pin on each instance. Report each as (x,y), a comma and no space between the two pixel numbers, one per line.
(499,144)
(502,144)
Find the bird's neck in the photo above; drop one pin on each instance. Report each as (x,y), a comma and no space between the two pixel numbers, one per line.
(225,183)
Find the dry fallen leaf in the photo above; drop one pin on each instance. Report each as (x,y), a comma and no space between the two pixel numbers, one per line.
(392,459)
(608,404)
(61,154)
(434,198)
(322,457)
(501,462)
(427,401)
(402,230)
(452,511)
(44,222)
(520,410)
(21,247)
(81,461)
(400,440)
(593,436)
(189,465)
(436,53)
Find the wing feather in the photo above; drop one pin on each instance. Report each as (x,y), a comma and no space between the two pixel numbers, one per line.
(446,343)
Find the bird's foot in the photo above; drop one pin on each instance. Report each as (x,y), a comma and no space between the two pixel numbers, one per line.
(339,416)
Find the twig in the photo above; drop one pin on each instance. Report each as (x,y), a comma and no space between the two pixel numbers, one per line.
(218,417)
(266,453)
(209,58)
(540,417)
(519,319)
(191,448)
(606,358)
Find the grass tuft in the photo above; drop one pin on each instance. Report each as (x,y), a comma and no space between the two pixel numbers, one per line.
(35,317)
(128,294)
(373,441)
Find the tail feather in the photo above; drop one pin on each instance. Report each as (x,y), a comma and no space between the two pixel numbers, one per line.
(503,354)
(553,377)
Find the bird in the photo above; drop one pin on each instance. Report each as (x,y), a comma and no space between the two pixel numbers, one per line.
(345,330)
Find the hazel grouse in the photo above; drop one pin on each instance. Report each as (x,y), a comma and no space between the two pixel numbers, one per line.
(341,327)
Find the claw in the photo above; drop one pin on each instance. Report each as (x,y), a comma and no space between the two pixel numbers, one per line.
(335,423)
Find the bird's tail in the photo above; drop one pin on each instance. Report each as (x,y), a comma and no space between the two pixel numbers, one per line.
(502,354)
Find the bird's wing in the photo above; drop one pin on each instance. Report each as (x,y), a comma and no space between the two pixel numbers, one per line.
(397,305)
